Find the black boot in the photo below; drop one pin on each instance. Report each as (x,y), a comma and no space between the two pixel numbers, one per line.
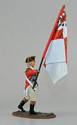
(20,106)
(31,111)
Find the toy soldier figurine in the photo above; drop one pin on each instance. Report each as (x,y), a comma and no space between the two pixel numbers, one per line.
(54,58)
(30,94)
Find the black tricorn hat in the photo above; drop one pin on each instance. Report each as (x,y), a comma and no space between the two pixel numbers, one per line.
(29,59)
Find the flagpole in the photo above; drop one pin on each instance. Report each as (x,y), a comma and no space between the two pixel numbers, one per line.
(48,43)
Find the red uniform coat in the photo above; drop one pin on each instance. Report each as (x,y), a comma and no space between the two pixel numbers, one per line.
(29,73)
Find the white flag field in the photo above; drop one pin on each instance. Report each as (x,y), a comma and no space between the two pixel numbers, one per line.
(55,54)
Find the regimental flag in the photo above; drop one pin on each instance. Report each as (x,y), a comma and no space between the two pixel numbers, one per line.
(55,53)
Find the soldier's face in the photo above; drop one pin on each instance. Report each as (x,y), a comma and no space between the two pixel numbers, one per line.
(32,63)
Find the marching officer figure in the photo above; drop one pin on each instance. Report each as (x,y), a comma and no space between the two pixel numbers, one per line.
(30,93)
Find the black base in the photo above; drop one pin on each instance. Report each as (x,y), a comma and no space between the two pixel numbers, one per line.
(39,115)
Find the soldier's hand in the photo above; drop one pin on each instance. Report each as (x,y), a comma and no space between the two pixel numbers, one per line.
(38,71)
